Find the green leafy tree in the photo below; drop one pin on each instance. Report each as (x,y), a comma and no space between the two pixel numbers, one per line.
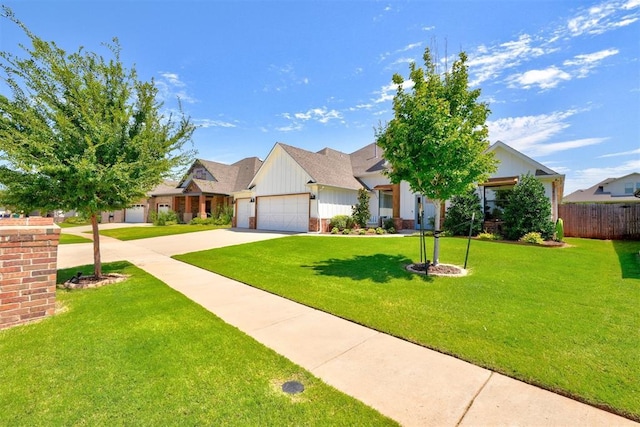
(438,136)
(82,132)
(528,210)
(462,209)
(360,211)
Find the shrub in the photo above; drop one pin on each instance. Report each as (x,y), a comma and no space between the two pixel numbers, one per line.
(559,235)
(341,222)
(380,230)
(391,230)
(335,230)
(527,210)
(462,208)
(371,231)
(362,232)
(489,236)
(533,237)
(202,221)
(360,212)
(346,231)
(388,224)
(164,218)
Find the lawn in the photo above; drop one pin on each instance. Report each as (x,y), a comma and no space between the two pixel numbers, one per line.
(66,239)
(134,233)
(140,353)
(566,319)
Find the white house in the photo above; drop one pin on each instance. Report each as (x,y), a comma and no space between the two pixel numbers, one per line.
(298,190)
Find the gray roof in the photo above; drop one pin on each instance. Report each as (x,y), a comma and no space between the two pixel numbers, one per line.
(368,159)
(327,167)
(596,194)
(166,188)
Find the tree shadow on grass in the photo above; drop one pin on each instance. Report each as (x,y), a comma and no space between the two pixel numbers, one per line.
(380,268)
(629,256)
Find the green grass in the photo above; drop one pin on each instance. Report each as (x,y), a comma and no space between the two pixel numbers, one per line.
(134,233)
(567,319)
(73,223)
(140,353)
(66,239)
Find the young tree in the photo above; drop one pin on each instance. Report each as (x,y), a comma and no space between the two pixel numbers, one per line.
(82,132)
(527,210)
(360,211)
(438,136)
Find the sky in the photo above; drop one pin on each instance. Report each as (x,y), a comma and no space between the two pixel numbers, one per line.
(562,78)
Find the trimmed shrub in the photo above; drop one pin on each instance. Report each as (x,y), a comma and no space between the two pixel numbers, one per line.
(458,216)
(527,210)
(559,235)
(202,221)
(489,236)
(346,231)
(533,237)
(335,230)
(362,232)
(380,230)
(341,222)
(389,224)
(371,231)
(164,218)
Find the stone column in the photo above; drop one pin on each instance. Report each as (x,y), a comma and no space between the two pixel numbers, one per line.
(28,261)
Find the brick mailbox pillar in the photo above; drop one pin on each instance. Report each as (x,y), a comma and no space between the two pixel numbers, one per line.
(28,260)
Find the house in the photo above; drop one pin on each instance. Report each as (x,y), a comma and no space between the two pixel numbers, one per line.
(298,190)
(611,190)
(206,188)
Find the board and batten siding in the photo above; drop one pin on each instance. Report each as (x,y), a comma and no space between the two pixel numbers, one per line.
(336,201)
(281,175)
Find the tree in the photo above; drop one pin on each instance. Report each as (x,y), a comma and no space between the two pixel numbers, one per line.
(462,209)
(82,132)
(360,211)
(438,136)
(527,210)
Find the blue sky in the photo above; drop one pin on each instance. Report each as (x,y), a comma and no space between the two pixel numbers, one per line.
(562,78)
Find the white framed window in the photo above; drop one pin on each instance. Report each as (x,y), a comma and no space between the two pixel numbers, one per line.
(628,188)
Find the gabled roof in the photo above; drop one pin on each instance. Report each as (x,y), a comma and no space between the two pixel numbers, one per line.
(226,178)
(327,167)
(368,159)
(166,188)
(539,167)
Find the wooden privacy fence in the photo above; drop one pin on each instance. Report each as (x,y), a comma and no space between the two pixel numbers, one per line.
(614,221)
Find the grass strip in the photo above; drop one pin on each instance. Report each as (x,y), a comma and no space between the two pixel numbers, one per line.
(140,353)
(134,233)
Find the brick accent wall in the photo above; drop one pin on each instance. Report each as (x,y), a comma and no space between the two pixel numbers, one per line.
(314,224)
(252,222)
(28,261)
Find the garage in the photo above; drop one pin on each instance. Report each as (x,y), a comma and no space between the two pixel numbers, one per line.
(243,212)
(134,214)
(283,213)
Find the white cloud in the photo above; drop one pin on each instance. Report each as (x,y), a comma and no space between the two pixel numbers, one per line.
(623,153)
(209,123)
(585,178)
(170,86)
(544,79)
(387,92)
(604,17)
(586,62)
(410,46)
(290,128)
(429,28)
(531,134)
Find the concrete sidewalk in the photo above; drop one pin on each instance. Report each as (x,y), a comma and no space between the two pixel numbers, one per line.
(408,383)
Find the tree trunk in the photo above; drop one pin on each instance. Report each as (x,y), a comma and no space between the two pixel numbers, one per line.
(436,233)
(97,263)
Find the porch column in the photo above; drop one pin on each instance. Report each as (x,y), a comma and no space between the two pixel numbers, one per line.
(396,200)
(202,211)
(187,204)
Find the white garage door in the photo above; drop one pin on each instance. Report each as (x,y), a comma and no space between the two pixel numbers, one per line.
(134,214)
(243,212)
(284,213)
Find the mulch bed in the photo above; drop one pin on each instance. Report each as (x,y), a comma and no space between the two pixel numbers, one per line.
(84,282)
(447,270)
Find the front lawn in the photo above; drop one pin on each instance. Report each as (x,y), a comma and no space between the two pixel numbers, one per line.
(140,353)
(134,233)
(563,318)
(66,239)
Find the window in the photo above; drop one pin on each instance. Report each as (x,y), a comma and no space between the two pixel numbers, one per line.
(386,204)
(495,199)
(628,188)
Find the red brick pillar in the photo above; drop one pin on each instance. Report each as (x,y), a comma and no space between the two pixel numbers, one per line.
(28,260)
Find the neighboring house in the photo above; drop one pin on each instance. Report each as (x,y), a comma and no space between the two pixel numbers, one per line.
(206,188)
(298,190)
(611,190)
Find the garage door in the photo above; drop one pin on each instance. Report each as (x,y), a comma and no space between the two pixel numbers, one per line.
(284,213)
(134,214)
(243,212)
